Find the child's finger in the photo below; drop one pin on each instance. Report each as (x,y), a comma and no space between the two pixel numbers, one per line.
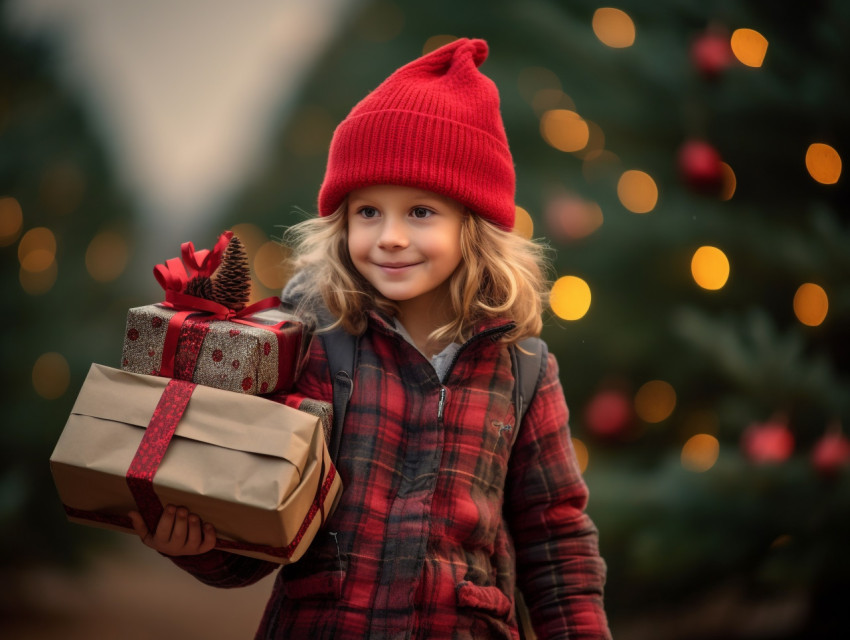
(165,525)
(209,538)
(139,525)
(179,532)
(194,535)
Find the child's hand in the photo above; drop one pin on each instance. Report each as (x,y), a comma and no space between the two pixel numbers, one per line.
(178,533)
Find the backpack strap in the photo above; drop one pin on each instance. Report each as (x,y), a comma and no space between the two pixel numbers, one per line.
(529,358)
(341,348)
(528,362)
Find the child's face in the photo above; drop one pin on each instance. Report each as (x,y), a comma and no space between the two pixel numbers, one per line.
(405,242)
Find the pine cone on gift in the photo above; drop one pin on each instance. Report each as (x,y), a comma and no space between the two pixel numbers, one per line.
(200,287)
(231,283)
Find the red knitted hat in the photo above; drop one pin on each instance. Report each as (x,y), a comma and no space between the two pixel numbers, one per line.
(433,124)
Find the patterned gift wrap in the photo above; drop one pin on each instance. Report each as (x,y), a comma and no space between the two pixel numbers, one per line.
(259,354)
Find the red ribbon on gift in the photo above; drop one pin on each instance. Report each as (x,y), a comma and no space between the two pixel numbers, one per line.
(169,410)
(146,461)
(175,274)
(187,305)
(151,451)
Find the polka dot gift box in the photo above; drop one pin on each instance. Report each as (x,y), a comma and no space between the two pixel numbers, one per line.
(204,333)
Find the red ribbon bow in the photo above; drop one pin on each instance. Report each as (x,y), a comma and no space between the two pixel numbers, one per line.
(175,274)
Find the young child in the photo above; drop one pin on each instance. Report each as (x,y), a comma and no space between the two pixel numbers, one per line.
(441,516)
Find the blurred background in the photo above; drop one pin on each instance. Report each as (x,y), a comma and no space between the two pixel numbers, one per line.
(682,158)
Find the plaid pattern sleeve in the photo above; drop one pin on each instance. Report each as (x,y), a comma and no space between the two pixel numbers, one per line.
(560,571)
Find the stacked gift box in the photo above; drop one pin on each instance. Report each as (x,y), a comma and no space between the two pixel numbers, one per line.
(185,422)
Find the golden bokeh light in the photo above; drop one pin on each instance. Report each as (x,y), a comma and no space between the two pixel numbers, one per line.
(435,42)
(710,268)
(700,452)
(811,304)
(613,27)
(269,265)
(655,401)
(532,80)
(728,182)
(582,454)
(37,249)
(823,163)
(564,129)
(570,298)
(106,256)
(51,375)
(637,191)
(523,224)
(11,221)
(749,46)
(36,283)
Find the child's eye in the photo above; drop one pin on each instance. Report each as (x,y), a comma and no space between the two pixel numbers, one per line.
(421,212)
(368,212)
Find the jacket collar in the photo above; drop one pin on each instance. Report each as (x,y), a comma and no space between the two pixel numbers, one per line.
(493,327)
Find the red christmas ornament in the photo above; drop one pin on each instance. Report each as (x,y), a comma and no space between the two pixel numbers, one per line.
(768,442)
(831,453)
(608,413)
(701,166)
(711,54)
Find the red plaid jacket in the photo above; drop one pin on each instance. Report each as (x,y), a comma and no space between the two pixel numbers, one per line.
(437,511)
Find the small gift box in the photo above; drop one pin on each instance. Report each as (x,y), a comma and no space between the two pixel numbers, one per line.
(257,354)
(258,470)
(203,332)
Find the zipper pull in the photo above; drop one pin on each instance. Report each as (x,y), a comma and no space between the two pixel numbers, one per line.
(442,403)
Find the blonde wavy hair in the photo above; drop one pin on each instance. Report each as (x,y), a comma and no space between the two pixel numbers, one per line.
(502,275)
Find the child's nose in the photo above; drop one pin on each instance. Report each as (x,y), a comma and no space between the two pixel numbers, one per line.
(393,234)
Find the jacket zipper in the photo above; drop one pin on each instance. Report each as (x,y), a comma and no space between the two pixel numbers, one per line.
(443,391)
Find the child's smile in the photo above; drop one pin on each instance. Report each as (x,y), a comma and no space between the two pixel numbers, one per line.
(405,242)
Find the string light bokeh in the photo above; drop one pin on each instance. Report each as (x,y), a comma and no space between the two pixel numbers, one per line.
(570,217)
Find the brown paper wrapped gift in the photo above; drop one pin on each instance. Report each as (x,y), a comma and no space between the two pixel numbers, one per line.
(257,353)
(256,469)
